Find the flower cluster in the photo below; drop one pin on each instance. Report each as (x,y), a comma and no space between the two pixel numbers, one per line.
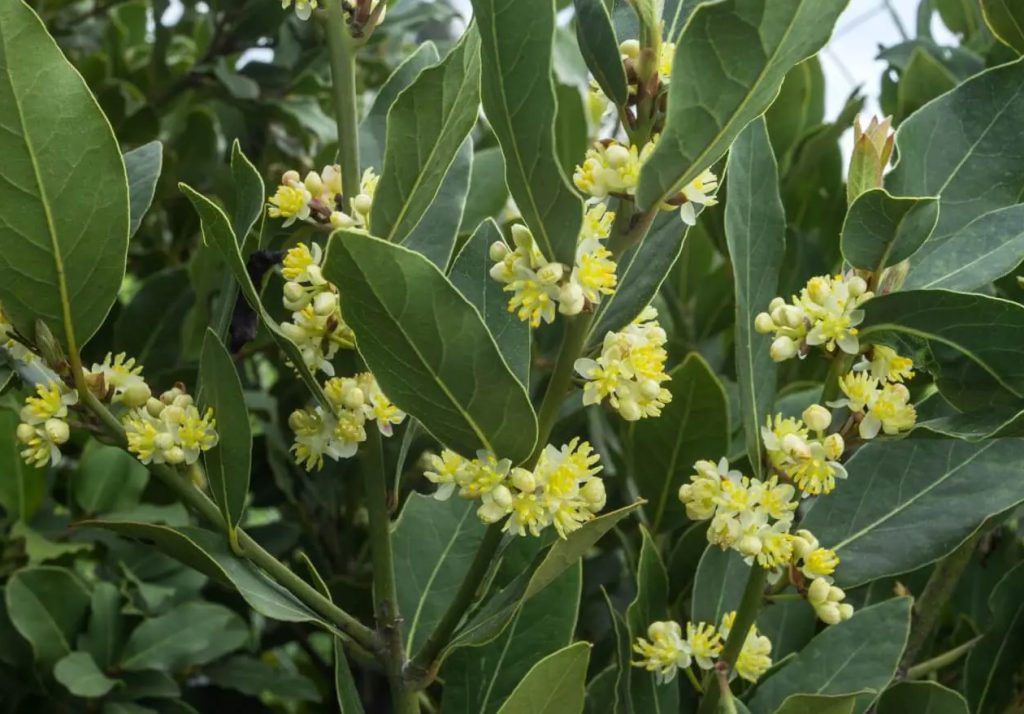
(879,404)
(317,327)
(826,313)
(539,286)
(170,429)
(563,490)
(613,169)
(337,433)
(665,651)
(44,425)
(119,380)
(318,198)
(800,450)
(827,601)
(630,369)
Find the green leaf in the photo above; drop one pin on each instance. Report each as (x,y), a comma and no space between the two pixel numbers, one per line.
(920,698)
(641,272)
(622,659)
(571,129)
(149,328)
(191,634)
(882,230)
(984,250)
(256,678)
(434,544)
(143,166)
(600,48)
(80,675)
(755,231)
(555,685)
(693,426)
(22,487)
(63,188)
(372,130)
(931,494)
(218,231)
(470,274)
(208,553)
(228,463)
(46,605)
(858,654)
(955,146)
(426,126)
(434,236)
(519,100)
(108,479)
(799,107)
(923,79)
(995,421)
(344,684)
(250,195)
(729,65)
(718,585)
(146,684)
(488,193)
(649,605)
(429,348)
(992,663)
(105,633)
(824,703)
(478,679)
(1005,18)
(956,328)
(40,549)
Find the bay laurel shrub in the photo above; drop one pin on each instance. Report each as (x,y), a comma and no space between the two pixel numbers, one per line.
(358,357)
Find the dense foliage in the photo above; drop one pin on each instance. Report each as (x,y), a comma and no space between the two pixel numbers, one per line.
(356,355)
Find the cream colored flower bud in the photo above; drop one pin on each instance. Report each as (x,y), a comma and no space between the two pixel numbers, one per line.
(502,496)
(163,441)
(316,276)
(136,395)
(551,273)
(836,594)
(297,420)
(293,331)
(57,430)
(290,178)
(794,445)
(764,323)
(182,401)
(294,296)
(521,234)
(749,545)
(801,546)
(629,410)
(808,537)
(630,48)
(523,480)
(25,433)
(776,303)
(829,613)
(354,398)
(593,493)
(325,304)
(845,610)
(817,593)
(173,414)
(362,203)
(154,407)
(834,446)
(617,155)
(571,299)
(783,348)
(314,183)
(857,286)
(792,316)
(650,388)
(340,219)
(174,455)
(817,417)
(498,250)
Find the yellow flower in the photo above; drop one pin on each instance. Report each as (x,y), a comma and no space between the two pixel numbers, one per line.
(699,192)
(445,471)
(290,203)
(705,643)
(52,402)
(664,652)
(123,378)
(666,56)
(817,473)
(298,261)
(887,365)
(774,434)
(890,412)
(820,562)
(755,657)
(860,389)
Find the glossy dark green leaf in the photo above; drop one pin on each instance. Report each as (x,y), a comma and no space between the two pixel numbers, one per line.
(478,679)
(190,634)
(519,100)
(923,79)
(81,676)
(649,605)
(824,703)
(143,166)
(145,684)
(451,376)
(470,274)
(693,426)
(107,627)
(956,327)
(921,698)
(555,685)
(22,487)
(434,236)
(571,128)
(488,193)
(882,230)
(931,494)
(108,479)
(858,654)
(955,145)
(434,545)
(992,663)
(755,231)
(227,463)
(600,48)
(47,606)
(257,678)
(994,421)
(1005,18)
(799,107)
(149,328)
(789,624)
(250,197)
(64,213)
(729,65)
(984,250)
(209,553)
(718,585)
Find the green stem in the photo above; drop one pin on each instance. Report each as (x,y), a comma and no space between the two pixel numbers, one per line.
(943,660)
(939,588)
(746,614)
(342,57)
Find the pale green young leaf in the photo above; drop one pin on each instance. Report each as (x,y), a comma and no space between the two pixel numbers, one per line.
(555,685)
(882,230)
(858,654)
(81,676)
(190,634)
(600,48)
(64,213)
(519,100)
(931,494)
(470,274)
(1005,18)
(250,198)
(992,663)
(429,348)
(435,235)
(921,698)
(729,65)
(227,463)
(47,605)
(755,231)
(143,166)
(426,126)
(693,426)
